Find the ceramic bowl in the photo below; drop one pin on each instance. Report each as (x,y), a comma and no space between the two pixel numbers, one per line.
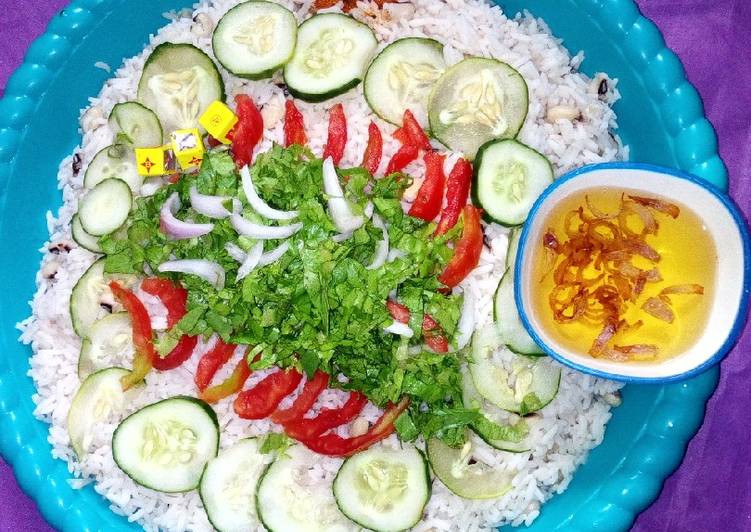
(729,298)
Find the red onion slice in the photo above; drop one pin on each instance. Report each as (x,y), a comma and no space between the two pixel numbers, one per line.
(210,272)
(211,206)
(235,251)
(263,232)
(177,229)
(339,208)
(257,203)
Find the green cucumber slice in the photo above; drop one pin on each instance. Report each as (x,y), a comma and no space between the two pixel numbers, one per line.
(255,39)
(285,503)
(332,53)
(401,77)
(84,239)
(228,486)
(165,446)
(384,489)
(178,83)
(468,480)
(116,161)
(99,398)
(106,207)
(109,340)
(512,382)
(136,124)
(510,326)
(513,246)
(476,100)
(508,179)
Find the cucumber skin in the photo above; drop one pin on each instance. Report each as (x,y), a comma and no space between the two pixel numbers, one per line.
(266,74)
(259,513)
(132,202)
(98,251)
(201,404)
(426,40)
(161,130)
(428,483)
(476,173)
(76,326)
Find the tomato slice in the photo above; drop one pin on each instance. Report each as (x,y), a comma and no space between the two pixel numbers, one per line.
(405,155)
(143,335)
(337,138)
(328,418)
(233,384)
(294,125)
(433,334)
(211,362)
(467,251)
(247,132)
(371,159)
(414,132)
(304,401)
(262,399)
(398,311)
(427,204)
(332,444)
(457,192)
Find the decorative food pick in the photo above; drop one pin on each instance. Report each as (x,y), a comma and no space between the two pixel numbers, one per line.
(151,161)
(218,120)
(188,149)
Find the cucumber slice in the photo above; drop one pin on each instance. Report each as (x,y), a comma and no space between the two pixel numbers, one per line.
(165,446)
(512,382)
(401,77)
(136,124)
(84,239)
(228,486)
(255,39)
(384,489)
(332,53)
(178,83)
(99,398)
(510,327)
(285,503)
(106,207)
(476,100)
(518,436)
(508,178)
(468,480)
(116,161)
(110,340)
(513,246)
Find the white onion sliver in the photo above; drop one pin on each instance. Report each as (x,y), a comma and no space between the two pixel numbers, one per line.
(257,203)
(263,232)
(235,251)
(395,253)
(399,328)
(339,208)
(341,237)
(177,229)
(466,325)
(382,248)
(211,206)
(251,261)
(270,257)
(210,272)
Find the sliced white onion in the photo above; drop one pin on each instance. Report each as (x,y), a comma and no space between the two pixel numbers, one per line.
(251,261)
(270,257)
(342,237)
(263,232)
(368,210)
(210,272)
(177,229)
(211,206)
(395,253)
(399,328)
(235,251)
(382,248)
(466,325)
(339,208)
(257,203)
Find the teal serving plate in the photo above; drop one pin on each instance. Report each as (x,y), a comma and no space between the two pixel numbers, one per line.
(661,118)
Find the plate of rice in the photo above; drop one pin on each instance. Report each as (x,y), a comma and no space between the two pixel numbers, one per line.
(275,294)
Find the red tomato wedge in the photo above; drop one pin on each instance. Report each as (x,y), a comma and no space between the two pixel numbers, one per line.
(211,362)
(414,132)
(405,155)
(433,334)
(332,444)
(371,159)
(262,399)
(233,384)
(427,204)
(247,132)
(304,401)
(143,335)
(328,418)
(398,311)
(457,192)
(294,125)
(337,138)
(467,251)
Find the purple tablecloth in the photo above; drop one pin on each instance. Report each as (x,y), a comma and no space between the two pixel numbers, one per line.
(711,491)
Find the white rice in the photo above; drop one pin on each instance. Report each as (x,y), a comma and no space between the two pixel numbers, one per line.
(571,425)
